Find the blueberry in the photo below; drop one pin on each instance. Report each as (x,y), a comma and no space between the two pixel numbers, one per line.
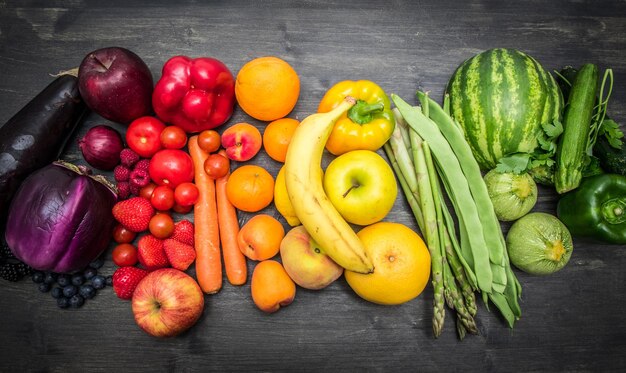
(87,291)
(97,263)
(77,279)
(63,302)
(89,273)
(50,278)
(44,287)
(110,280)
(77,301)
(98,282)
(38,277)
(57,292)
(63,280)
(70,291)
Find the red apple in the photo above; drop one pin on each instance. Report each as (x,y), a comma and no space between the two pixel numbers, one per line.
(116,83)
(242,141)
(167,302)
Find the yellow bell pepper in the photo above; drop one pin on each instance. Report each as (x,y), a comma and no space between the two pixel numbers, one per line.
(367,125)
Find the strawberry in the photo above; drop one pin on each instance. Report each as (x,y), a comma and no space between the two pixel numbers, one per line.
(125,280)
(183,232)
(179,254)
(150,253)
(134,213)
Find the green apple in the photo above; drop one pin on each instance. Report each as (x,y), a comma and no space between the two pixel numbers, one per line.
(361,185)
(305,261)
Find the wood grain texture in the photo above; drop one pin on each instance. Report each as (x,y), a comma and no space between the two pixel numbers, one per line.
(571,321)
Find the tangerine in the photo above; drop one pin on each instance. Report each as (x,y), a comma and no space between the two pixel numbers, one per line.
(277,136)
(250,188)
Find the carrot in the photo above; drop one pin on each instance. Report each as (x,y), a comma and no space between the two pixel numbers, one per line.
(206,236)
(234,260)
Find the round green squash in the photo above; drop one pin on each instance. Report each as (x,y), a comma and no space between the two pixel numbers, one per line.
(501,97)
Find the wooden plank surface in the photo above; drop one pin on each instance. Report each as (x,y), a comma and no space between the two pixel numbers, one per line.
(571,320)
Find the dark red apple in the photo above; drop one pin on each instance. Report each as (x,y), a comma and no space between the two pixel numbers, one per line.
(116,83)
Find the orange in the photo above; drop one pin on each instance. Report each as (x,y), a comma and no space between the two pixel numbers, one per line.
(277,136)
(267,88)
(250,188)
(401,264)
(271,286)
(260,237)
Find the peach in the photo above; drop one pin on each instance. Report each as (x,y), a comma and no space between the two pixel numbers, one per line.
(305,261)
(242,141)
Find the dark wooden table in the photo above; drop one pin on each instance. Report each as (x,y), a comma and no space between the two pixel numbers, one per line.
(572,320)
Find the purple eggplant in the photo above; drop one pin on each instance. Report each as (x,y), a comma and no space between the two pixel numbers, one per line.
(37,134)
(60,218)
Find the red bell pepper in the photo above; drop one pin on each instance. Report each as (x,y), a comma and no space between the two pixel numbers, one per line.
(194,94)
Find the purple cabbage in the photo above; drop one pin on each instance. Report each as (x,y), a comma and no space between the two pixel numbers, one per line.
(60,219)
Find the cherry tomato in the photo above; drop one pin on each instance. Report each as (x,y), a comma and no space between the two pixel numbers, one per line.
(186,194)
(146,192)
(162,198)
(124,255)
(161,225)
(173,137)
(171,167)
(123,235)
(209,141)
(143,135)
(216,165)
(182,209)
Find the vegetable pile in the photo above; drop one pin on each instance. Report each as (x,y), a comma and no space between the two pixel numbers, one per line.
(184,175)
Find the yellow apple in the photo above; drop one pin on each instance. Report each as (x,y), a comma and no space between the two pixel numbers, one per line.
(305,262)
(361,185)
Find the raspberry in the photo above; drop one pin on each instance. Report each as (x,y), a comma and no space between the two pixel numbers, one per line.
(139,178)
(123,190)
(142,165)
(128,157)
(134,190)
(121,173)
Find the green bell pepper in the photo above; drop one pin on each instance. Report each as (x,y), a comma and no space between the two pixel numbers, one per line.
(596,209)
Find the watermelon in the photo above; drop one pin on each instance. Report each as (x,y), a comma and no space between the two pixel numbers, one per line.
(502,98)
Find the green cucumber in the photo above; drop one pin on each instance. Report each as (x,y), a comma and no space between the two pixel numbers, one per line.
(612,160)
(573,144)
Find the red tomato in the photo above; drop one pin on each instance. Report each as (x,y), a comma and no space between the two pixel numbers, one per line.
(123,235)
(161,226)
(216,165)
(182,209)
(162,198)
(143,135)
(146,192)
(173,137)
(209,141)
(124,255)
(171,167)
(186,194)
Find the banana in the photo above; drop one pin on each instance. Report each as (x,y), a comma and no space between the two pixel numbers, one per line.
(303,178)
(282,201)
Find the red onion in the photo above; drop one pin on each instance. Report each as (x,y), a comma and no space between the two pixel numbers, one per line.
(101,147)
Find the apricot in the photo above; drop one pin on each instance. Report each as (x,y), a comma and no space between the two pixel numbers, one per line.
(271,286)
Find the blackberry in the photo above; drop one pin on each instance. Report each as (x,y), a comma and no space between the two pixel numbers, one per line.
(44,287)
(97,263)
(63,280)
(57,292)
(37,277)
(98,282)
(70,291)
(5,251)
(8,271)
(24,269)
(63,302)
(77,279)
(89,273)
(87,291)
(77,301)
